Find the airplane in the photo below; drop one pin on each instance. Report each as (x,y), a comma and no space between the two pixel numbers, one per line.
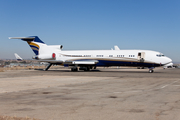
(18,58)
(90,59)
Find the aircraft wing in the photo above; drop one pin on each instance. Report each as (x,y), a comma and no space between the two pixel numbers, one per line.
(85,62)
(52,61)
(71,63)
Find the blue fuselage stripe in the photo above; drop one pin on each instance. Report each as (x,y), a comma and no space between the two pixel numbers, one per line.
(122,63)
(32,46)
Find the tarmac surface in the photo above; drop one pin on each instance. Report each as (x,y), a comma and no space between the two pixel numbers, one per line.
(104,94)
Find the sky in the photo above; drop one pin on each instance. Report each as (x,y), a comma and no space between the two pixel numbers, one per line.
(91,24)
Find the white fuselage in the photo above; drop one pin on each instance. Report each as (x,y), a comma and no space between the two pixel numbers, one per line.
(114,57)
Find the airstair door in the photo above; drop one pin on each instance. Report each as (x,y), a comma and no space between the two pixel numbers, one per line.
(141,56)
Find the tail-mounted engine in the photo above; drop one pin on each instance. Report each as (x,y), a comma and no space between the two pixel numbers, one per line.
(45,57)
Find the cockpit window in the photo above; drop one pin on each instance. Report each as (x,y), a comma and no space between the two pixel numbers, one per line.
(160,55)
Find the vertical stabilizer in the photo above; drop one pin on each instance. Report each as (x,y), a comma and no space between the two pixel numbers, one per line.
(18,58)
(34,42)
(116,47)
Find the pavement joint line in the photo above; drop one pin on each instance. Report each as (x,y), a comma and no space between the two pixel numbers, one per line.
(117,92)
(135,91)
(169,84)
(127,91)
(109,92)
(164,86)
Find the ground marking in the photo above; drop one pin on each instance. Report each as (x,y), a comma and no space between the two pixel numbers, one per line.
(117,92)
(169,84)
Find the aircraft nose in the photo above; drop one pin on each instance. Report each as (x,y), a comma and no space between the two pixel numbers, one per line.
(168,60)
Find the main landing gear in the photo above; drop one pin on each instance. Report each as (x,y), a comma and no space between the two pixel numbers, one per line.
(74,69)
(50,64)
(85,68)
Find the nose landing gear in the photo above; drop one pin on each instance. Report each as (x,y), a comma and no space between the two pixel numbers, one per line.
(151,70)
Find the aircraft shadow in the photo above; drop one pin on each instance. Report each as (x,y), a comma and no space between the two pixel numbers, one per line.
(109,71)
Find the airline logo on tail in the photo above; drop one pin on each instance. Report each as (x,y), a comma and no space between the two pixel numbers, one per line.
(35,47)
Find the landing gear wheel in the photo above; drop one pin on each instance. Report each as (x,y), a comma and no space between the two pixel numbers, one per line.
(87,69)
(74,69)
(151,71)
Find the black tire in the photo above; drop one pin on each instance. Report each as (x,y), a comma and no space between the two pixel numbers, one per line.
(151,71)
(74,69)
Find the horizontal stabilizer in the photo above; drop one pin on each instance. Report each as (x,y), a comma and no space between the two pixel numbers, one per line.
(29,39)
(23,38)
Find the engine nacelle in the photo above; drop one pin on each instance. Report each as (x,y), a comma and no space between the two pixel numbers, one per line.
(55,47)
(45,57)
(168,65)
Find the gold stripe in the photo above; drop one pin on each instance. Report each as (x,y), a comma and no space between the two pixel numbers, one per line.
(34,48)
(119,60)
(31,43)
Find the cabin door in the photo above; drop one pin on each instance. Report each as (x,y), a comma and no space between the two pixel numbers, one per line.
(141,56)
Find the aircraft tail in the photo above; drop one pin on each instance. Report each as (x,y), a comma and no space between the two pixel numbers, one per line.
(18,58)
(34,42)
(116,47)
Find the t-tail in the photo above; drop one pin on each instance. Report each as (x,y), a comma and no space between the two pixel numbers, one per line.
(34,42)
(41,50)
